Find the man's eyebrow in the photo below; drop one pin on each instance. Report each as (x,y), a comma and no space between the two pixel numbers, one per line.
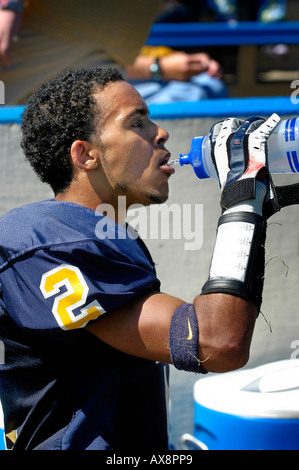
(141,111)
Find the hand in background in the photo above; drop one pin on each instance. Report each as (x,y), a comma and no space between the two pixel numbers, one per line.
(183,66)
(175,66)
(9,24)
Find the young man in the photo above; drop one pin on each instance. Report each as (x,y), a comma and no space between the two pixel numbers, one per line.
(87,331)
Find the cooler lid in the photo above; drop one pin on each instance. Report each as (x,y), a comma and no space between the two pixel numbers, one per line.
(270,390)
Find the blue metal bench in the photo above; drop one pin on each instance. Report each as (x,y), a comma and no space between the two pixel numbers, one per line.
(223,34)
(258,106)
(247,35)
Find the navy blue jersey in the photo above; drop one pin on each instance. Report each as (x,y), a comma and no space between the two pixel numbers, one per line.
(61,266)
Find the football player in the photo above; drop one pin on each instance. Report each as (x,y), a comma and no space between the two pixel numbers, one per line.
(88,335)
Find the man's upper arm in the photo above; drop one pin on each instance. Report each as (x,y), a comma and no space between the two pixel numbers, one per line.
(140,328)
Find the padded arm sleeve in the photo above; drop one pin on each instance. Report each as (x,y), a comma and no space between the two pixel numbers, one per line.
(238,261)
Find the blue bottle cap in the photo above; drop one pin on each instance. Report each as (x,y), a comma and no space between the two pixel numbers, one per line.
(194,158)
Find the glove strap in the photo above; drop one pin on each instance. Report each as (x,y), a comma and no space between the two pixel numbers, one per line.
(234,193)
(288,195)
(281,196)
(238,261)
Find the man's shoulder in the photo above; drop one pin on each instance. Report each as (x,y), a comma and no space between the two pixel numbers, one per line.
(41,215)
(47,223)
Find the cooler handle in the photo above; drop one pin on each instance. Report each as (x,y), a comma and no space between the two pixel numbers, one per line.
(187,440)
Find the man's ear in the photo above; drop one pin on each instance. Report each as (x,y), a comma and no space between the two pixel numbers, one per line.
(84,155)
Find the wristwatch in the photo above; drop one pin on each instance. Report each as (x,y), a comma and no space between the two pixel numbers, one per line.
(156,70)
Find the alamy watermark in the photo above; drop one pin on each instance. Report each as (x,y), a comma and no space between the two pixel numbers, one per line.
(295,93)
(154,222)
(295,346)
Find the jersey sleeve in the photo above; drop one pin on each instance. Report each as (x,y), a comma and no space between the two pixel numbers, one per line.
(68,285)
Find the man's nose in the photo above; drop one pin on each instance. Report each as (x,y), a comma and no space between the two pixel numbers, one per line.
(162,136)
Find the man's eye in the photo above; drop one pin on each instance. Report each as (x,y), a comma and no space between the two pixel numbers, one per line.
(139,123)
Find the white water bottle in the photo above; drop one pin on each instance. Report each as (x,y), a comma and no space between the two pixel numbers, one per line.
(283,151)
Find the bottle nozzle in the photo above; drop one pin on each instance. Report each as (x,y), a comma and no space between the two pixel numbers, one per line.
(195,157)
(185,159)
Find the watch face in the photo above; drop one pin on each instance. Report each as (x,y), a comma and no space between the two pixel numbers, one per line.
(156,70)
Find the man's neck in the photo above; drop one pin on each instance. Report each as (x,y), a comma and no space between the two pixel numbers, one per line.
(116,210)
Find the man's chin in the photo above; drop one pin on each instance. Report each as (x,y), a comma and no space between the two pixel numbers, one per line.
(157,199)
(147,198)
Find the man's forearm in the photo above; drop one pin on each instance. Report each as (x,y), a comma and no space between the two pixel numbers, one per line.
(226,325)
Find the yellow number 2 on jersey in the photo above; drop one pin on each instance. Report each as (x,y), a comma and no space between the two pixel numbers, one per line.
(74,296)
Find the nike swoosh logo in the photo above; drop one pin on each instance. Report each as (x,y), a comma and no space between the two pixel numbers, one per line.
(190,334)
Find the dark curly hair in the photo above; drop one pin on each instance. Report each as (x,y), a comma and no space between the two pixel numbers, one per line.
(60,112)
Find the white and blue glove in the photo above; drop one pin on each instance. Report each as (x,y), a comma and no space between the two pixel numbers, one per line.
(239,154)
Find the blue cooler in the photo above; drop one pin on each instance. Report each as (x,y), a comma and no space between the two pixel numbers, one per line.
(2,444)
(254,409)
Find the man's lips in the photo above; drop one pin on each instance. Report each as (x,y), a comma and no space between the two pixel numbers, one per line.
(164,165)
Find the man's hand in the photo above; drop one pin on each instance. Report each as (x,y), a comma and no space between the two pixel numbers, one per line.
(182,66)
(239,153)
(175,66)
(9,24)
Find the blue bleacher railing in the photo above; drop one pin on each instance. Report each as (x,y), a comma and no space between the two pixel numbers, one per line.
(223,34)
(222,107)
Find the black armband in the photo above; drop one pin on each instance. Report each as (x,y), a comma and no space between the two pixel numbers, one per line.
(183,340)
(238,262)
